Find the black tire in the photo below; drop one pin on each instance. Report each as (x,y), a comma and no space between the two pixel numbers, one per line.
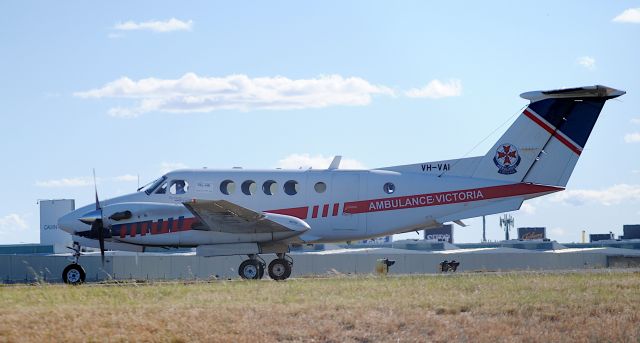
(279,269)
(262,268)
(250,269)
(73,274)
(288,271)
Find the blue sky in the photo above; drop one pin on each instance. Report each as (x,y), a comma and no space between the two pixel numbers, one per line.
(125,88)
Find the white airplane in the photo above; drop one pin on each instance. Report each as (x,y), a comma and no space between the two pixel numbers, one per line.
(251,212)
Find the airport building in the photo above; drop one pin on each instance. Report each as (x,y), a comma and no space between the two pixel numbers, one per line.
(26,263)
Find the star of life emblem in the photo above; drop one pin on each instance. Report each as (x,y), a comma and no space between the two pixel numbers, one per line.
(507,159)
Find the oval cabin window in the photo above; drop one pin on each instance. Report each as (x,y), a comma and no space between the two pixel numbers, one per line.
(291,187)
(320,187)
(227,187)
(389,188)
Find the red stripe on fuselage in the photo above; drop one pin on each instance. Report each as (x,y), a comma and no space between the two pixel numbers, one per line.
(373,205)
(188,222)
(298,212)
(576,149)
(445,198)
(325,210)
(164,228)
(152,228)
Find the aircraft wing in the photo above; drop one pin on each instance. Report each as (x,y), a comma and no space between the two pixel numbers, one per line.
(225,216)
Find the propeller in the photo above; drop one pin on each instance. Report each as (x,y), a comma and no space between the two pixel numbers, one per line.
(98,228)
(97,225)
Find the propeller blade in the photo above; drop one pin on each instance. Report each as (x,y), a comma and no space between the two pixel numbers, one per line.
(97,224)
(95,187)
(97,227)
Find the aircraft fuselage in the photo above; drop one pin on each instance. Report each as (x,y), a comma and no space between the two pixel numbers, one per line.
(338,205)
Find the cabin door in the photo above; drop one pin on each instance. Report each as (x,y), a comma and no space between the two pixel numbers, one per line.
(346,188)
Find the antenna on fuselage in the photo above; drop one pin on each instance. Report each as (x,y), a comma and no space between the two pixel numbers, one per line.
(335,164)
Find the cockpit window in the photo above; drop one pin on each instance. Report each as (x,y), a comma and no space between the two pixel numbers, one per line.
(152,187)
(178,187)
(162,189)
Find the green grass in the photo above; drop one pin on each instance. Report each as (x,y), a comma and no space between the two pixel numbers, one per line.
(595,306)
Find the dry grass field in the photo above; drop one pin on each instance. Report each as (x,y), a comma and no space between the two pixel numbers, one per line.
(514,307)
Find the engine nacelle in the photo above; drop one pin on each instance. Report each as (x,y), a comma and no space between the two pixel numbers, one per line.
(127,212)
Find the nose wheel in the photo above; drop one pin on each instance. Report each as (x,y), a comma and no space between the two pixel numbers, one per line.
(74,274)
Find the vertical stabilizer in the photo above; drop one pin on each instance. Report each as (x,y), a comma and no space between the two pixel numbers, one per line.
(544,143)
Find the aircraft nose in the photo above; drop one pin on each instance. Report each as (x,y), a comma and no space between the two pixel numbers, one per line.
(70,223)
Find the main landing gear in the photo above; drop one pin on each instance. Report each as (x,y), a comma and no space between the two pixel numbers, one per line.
(253,268)
(74,274)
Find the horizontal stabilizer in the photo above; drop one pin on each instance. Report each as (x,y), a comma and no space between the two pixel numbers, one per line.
(597,91)
(459,222)
(492,207)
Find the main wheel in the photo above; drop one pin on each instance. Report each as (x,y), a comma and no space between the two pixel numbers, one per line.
(279,269)
(73,274)
(251,269)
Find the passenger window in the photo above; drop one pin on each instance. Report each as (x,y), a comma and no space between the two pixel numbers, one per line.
(291,187)
(178,187)
(270,187)
(249,187)
(320,187)
(162,189)
(389,188)
(227,187)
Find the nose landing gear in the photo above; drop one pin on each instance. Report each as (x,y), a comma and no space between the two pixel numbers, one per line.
(74,274)
(253,268)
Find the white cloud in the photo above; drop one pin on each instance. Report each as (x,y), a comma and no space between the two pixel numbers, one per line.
(66,182)
(166,167)
(15,228)
(192,93)
(632,137)
(635,121)
(631,15)
(295,161)
(172,24)
(528,208)
(126,178)
(83,181)
(587,62)
(437,89)
(609,196)
(13,222)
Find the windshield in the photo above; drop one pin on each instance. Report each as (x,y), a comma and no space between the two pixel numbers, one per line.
(154,185)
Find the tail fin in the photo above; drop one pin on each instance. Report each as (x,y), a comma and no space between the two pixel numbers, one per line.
(544,143)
